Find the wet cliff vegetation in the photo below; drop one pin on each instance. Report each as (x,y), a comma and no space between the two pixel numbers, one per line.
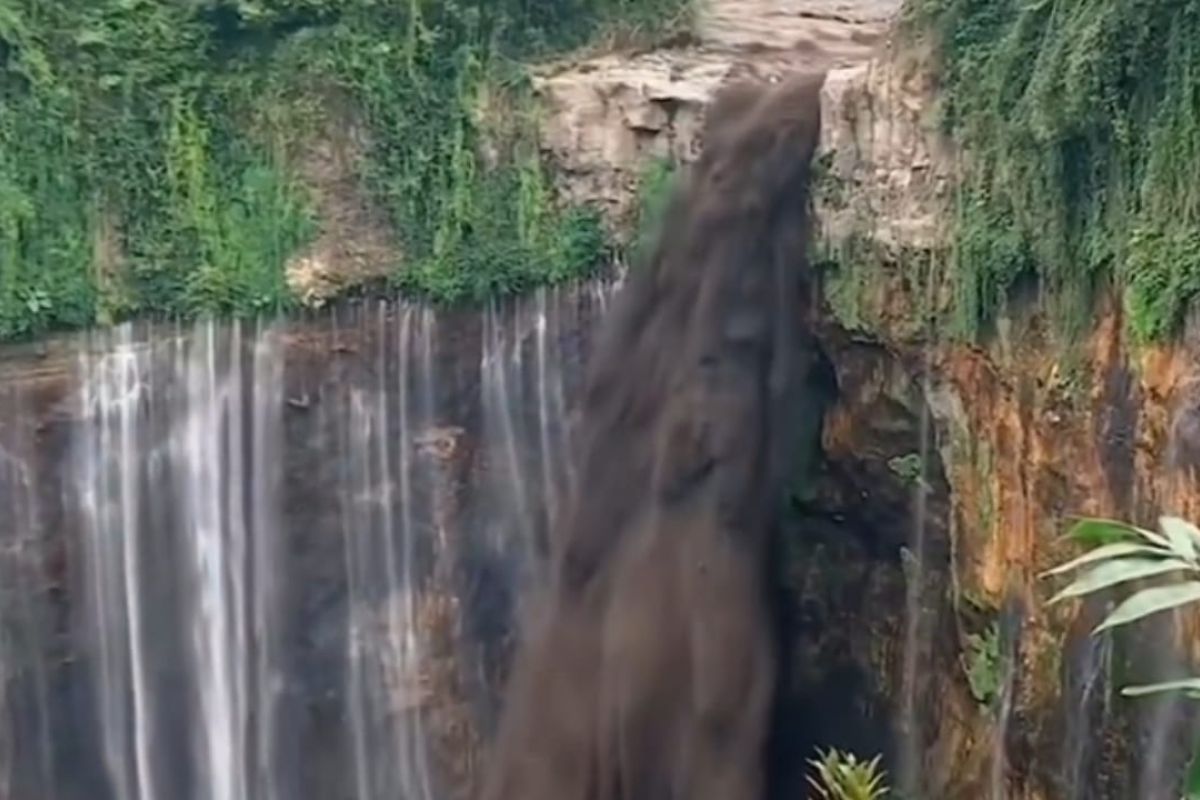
(149,149)
(1079,127)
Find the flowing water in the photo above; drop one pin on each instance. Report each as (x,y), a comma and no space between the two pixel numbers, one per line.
(917,631)
(239,558)
(1087,665)
(1008,664)
(648,669)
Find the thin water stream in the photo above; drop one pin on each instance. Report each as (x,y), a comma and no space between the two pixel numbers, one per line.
(917,633)
(1009,634)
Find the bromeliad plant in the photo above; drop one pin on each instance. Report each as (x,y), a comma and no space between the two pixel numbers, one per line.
(1168,560)
(842,776)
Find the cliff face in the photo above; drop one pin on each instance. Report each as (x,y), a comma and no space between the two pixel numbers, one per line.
(1029,430)
(948,470)
(607,117)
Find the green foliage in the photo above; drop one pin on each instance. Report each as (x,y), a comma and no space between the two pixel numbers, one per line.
(148,147)
(1080,121)
(655,186)
(1123,554)
(907,468)
(119,143)
(846,272)
(446,93)
(842,776)
(983,664)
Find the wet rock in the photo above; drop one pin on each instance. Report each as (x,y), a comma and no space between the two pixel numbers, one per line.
(1184,437)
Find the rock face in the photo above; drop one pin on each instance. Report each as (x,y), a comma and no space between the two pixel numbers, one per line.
(355,244)
(1028,431)
(276,561)
(606,117)
(649,672)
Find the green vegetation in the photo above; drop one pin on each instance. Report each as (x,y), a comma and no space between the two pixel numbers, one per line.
(655,186)
(1080,123)
(907,468)
(149,148)
(983,665)
(842,776)
(846,274)
(1168,560)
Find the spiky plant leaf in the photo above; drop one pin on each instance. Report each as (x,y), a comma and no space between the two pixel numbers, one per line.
(1117,571)
(1189,686)
(1120,559)
(1183,536)
(1098,532)
(1151,601)
(1109,551)
(842,776)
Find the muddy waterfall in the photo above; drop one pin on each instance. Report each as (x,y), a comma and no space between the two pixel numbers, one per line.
(649,672)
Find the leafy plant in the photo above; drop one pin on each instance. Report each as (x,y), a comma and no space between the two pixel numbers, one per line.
(983,664)
(1120,554)
(839,775)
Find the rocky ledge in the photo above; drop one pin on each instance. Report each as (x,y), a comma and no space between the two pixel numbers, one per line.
(608,116)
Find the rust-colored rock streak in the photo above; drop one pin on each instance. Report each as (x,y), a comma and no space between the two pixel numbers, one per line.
(649,670)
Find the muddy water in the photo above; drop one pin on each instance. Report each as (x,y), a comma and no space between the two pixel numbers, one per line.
(649,667)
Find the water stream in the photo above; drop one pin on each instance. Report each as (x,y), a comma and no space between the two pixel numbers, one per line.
(1009,634)
(1088,699)
(917,630)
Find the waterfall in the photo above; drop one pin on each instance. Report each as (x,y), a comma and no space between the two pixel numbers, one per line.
(1009,633)
(276,560)
(917,633)
(176,442)
(1087,699)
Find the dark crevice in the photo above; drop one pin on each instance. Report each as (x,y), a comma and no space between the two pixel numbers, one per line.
(840,585)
